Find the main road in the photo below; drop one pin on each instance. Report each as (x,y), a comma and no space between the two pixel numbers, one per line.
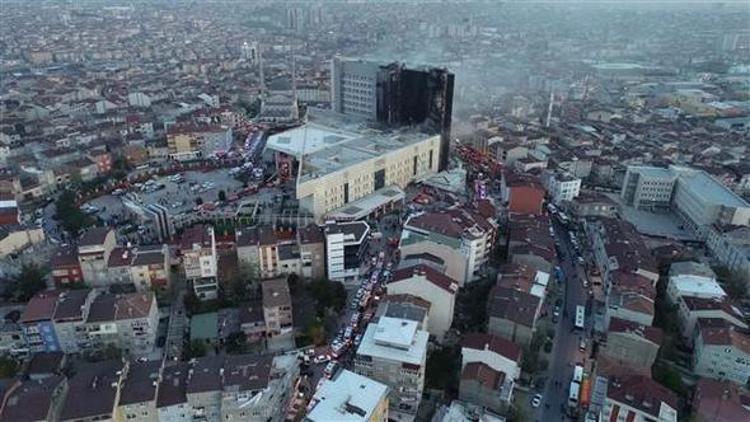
(565,350)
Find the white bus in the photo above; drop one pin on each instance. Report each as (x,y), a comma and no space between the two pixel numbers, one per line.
(575,389)
(578,374)
(580,317)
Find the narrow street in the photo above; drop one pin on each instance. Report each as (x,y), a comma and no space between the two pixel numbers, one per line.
(565,350)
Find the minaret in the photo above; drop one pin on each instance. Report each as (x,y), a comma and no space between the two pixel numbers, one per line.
(295,106)
(260,66)
(551,104)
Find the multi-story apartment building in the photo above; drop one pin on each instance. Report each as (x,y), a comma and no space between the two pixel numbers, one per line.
(350,397)
(312,249)
(277,307)
(432,286)
(513,314)
(118,265)
(93,392)
(37,322)
(12,341)
(561,186)
(33,400)
(489,370)
(722,351)
(171,398)
(631,344)
(618,247)
(65,267)
(638,398)
(137,399)
(127,321)
(189,142)
(631,297)
(94,250)
(693,279)
(691,309)
(150,268)
(394,352)
(257,387)
(204,389)
(345,248)
(71,311)
(200,260)
(461,238)
(523,193)
(730,245)
(261,250)
(719,401)
(233,388)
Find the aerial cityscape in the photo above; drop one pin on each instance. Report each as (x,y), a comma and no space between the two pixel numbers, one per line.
(374,210)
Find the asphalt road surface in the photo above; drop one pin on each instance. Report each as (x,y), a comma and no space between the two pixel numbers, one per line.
(565,351)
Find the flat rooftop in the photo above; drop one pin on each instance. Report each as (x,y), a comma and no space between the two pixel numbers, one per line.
(348,397)
(364,206)
(329,142)
(655,172)
(711,190)
(396,340)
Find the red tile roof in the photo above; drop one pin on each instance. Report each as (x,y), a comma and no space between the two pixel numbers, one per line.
(641,393)
(719,401)
(499,345)
(483,374)
(437,278)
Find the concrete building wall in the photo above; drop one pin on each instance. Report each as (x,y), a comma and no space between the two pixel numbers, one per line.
(442,302)
(455,262)
(313,260)
(631,350)
(494,360)
(471,391)
(510,330)
(205,404)
(405,385)
(141,412)
(175,413)
(721,362)
(326,193)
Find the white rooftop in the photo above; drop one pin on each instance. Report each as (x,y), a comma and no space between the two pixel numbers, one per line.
(308,139)
(362,207)
(329,142)
(395,339)
(695,285)
(348,397)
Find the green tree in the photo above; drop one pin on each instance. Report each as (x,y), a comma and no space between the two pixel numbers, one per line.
(735,287)
(8,367)
(197,349)
(252,109)
(236,343)
(71,218)
(29,281)
(316,333)
(443,366)
(327,295)
(669,378)
(222,196)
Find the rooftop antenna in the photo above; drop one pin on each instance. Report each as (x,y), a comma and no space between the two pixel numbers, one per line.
(549,109)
